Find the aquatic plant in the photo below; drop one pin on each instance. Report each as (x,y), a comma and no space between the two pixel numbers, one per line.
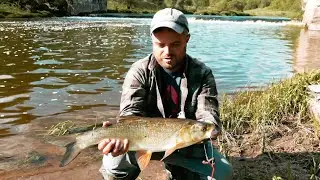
(60,129)
(70,127)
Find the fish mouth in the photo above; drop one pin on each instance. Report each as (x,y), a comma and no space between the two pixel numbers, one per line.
(211,131)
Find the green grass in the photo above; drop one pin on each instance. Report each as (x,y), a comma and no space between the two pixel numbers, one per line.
(214,11)
(7,9)
(285,102)
(253,121)
(272,12)
(14,11)
(137,8)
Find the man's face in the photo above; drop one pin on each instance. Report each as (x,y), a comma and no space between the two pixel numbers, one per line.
(169,48)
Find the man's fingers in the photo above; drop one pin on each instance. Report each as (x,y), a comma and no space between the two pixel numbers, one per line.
(116,150)
(108,147)
(120,148)
(125,145)
(214,134)
(117,146)
(106,124)
(103,144)
(115,154)
(114,146)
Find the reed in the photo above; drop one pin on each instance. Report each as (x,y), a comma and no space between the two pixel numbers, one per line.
(284,102)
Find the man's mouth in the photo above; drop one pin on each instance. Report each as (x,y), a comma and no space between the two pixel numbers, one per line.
(167,60)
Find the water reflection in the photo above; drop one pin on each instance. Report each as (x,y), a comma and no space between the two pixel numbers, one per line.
(50,67)
(59,65)
(308,51)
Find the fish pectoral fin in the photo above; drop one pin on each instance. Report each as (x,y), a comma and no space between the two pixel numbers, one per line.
(171,150)
(143,158)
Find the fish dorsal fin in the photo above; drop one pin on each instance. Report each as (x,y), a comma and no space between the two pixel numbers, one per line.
(171,150)
(143,158)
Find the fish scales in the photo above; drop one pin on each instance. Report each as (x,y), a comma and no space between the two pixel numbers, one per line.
(145,135)
(159,131)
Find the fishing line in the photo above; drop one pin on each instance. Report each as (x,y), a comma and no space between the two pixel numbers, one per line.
(210,161)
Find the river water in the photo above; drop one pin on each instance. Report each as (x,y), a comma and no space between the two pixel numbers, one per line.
(59,65)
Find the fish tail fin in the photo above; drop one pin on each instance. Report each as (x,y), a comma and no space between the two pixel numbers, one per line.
(72,151)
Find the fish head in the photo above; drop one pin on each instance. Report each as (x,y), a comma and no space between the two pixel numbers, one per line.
(200,131)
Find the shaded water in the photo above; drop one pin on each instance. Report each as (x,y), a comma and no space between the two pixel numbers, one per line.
(58,65)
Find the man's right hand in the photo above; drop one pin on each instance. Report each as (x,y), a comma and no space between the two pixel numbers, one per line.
(114,146)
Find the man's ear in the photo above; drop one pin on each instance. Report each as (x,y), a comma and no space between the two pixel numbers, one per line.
(188,37)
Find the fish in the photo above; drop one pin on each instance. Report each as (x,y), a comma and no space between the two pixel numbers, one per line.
(145,135)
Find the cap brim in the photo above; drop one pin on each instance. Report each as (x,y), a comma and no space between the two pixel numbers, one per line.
(174,26)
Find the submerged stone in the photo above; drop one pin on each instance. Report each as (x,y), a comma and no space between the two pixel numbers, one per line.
(35,157)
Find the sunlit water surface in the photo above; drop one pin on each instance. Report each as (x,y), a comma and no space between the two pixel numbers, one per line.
(58,65)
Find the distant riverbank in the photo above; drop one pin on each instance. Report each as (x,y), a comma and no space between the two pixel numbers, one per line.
(9,10)
(13,11)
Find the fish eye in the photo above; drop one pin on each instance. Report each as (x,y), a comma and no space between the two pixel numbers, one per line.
(203,128)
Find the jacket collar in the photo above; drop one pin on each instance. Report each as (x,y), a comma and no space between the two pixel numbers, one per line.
(155,67)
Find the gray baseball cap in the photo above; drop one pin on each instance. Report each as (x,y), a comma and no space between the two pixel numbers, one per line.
(170,18)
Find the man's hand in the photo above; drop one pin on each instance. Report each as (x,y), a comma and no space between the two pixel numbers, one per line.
(114,146)
(215,133)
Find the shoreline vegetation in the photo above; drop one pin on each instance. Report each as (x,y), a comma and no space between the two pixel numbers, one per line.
(280,8)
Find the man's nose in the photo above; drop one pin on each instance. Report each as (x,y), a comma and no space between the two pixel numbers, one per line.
(167,50)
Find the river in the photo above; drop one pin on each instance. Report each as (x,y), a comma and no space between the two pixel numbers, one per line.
(59,65)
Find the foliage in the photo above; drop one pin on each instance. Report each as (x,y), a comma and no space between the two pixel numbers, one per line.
(272,12)
(289,8)
(13,10)
(293,5)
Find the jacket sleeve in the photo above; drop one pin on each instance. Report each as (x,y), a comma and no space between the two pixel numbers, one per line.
(208,106)
(133,97)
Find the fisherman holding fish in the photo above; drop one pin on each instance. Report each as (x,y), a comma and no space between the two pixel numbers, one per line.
(168,84)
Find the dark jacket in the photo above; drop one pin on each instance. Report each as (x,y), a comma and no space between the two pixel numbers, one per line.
(142,87)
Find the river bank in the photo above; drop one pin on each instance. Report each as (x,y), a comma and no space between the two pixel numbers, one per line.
(15,10)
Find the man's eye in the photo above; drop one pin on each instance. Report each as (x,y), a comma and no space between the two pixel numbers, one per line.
(161,45)
(176,44)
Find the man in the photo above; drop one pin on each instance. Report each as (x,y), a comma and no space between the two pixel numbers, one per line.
(170,84)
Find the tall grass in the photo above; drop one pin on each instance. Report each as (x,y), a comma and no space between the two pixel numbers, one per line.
(7,9)
(285,102)
(275,12)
